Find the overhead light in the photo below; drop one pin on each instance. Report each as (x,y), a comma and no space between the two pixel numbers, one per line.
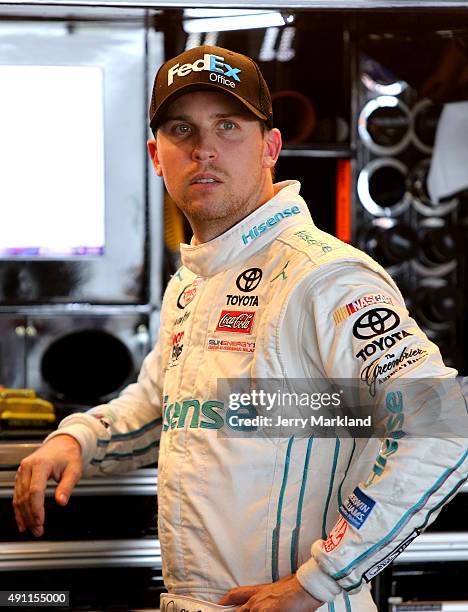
(197,13)
(235,22)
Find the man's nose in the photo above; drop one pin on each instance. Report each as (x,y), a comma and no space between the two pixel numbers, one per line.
(204,147)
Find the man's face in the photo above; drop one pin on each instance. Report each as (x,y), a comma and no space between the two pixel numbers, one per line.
(213,156)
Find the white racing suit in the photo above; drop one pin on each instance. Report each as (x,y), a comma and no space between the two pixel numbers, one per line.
(275,297)
(182,603)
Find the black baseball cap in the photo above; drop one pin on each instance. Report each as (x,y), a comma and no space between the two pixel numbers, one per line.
(215,68)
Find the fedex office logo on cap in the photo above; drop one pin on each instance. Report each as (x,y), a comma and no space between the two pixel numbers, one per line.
(213,63)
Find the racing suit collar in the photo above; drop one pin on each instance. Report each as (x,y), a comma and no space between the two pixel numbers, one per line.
(261,227)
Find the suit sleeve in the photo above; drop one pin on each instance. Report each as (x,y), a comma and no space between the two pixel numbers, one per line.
(364,332)
(124,434)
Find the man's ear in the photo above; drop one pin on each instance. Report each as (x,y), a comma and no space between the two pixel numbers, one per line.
(153,153)
(273,144)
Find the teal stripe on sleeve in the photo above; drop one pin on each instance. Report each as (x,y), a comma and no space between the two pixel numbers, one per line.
(340,498)
(407,517)
(131,434)
(296,530)
(421,527)
(276,530)
(330,488)
(137,452)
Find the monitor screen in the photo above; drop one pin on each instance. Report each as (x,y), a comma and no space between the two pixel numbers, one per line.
(52,197)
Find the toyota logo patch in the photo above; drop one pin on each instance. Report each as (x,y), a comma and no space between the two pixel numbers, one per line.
(375,323)
(249,279)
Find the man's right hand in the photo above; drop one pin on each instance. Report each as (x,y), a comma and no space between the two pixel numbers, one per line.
(59,458)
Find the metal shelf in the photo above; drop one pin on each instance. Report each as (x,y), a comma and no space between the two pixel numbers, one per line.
(11,453)
(271,4)
(137,482)
(432,547)
(70,554)
(337,152)
(74,308)
(442,606)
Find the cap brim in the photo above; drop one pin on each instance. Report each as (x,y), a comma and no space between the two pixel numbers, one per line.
(159,112)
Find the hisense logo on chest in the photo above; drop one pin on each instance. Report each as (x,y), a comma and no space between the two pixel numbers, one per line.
(264,226)
(215,64)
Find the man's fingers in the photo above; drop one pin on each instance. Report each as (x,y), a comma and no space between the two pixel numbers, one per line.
(21,523)
(40,475)
(239,595)
(59,458)
(23,479)
(70,477)
(37,531)
(18,517)
(28,500)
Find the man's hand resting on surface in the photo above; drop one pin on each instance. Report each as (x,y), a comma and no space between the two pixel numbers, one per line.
(286,595)
(59,458)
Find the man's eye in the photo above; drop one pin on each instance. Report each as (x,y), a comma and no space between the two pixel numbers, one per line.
(182,128)
(227,125)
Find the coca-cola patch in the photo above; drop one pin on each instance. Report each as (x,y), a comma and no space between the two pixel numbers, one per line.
(239,321)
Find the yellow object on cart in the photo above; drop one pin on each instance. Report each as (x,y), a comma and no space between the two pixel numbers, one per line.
(22,408)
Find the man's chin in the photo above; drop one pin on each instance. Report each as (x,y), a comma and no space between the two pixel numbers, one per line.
(205,210)
(205,217)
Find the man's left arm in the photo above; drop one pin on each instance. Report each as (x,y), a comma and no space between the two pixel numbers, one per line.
(364,331)
(412,477)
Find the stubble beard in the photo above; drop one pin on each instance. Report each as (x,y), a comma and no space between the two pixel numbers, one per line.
(229,207)
(232,207)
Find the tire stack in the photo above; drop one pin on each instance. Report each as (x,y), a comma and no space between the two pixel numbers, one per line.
(415,239)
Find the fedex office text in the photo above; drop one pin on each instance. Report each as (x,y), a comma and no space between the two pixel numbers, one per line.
(213,63)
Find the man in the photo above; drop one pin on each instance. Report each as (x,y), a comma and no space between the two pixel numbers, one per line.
(266,524)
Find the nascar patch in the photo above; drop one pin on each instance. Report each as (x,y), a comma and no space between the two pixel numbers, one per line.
(345,311)
(357,508)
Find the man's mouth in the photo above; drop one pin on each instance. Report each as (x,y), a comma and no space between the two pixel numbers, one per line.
(204,179)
